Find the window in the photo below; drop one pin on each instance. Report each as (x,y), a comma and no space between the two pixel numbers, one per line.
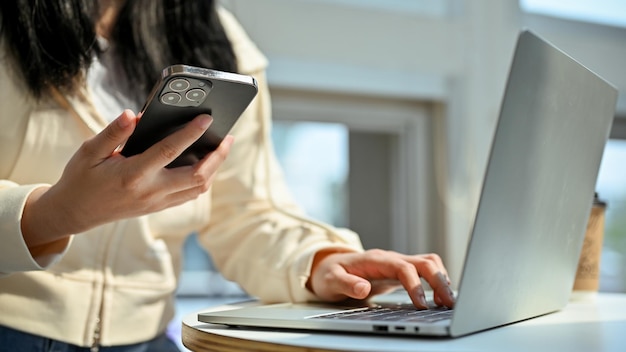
(609,19)
(611,188)
(608,12)
(314,158)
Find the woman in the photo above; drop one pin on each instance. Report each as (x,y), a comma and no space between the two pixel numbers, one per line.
(91,239)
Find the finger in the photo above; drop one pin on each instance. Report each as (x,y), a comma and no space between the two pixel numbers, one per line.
(104,143)
(180,197)
(441,266)
(192,180)
(212,161)
(391,265)
(184,194)
(442,290)
(437,300)
(424,258)
(342,284)
(408,276)
(441,285)
(169,148)
(384,265)
(434,273)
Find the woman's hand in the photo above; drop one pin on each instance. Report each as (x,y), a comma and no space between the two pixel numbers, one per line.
(99,185)
(338,275)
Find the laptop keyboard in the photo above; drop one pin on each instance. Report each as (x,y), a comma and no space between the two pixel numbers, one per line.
(403,314)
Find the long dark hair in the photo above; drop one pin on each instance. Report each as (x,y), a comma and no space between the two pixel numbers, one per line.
(53,41)
(50,41)
(150,35)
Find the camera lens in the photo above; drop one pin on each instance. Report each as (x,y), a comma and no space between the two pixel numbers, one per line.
(195,94)
(171,98)
(179,84)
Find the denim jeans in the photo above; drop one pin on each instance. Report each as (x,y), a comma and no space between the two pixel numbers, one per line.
(17,341)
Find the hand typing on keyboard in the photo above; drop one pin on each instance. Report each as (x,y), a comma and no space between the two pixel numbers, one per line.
(336,276)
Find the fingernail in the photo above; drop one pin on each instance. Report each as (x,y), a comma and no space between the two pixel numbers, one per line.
(360,289)
(204,121)
(421,297)
(228,140)
(450,292)
(123,121)
(422,300)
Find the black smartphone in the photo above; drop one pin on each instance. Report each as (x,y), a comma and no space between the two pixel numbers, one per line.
(184,92)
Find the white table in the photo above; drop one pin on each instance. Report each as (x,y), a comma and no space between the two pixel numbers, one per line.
(596,323)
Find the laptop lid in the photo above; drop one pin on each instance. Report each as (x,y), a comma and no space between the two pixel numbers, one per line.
(538,189)
(535,201)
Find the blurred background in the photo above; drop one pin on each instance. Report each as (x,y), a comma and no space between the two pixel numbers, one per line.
(400,97)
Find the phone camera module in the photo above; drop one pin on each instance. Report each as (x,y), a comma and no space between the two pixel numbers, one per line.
(196,95)
(171,98)
(179,85)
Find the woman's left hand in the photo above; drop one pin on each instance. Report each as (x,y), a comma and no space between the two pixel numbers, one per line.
(340,275)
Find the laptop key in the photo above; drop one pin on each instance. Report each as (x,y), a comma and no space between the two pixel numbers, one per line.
(391,314)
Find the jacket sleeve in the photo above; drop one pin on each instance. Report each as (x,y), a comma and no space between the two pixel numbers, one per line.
(257,235)
(15,256)
(14,113)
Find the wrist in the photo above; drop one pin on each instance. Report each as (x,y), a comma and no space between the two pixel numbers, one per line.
(43,222)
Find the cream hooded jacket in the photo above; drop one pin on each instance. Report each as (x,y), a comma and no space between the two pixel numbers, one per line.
(115,283)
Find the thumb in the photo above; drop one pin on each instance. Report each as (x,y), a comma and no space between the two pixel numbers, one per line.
(114,135)
(352,286)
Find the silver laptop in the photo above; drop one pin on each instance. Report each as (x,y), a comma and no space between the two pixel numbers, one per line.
(529,227)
